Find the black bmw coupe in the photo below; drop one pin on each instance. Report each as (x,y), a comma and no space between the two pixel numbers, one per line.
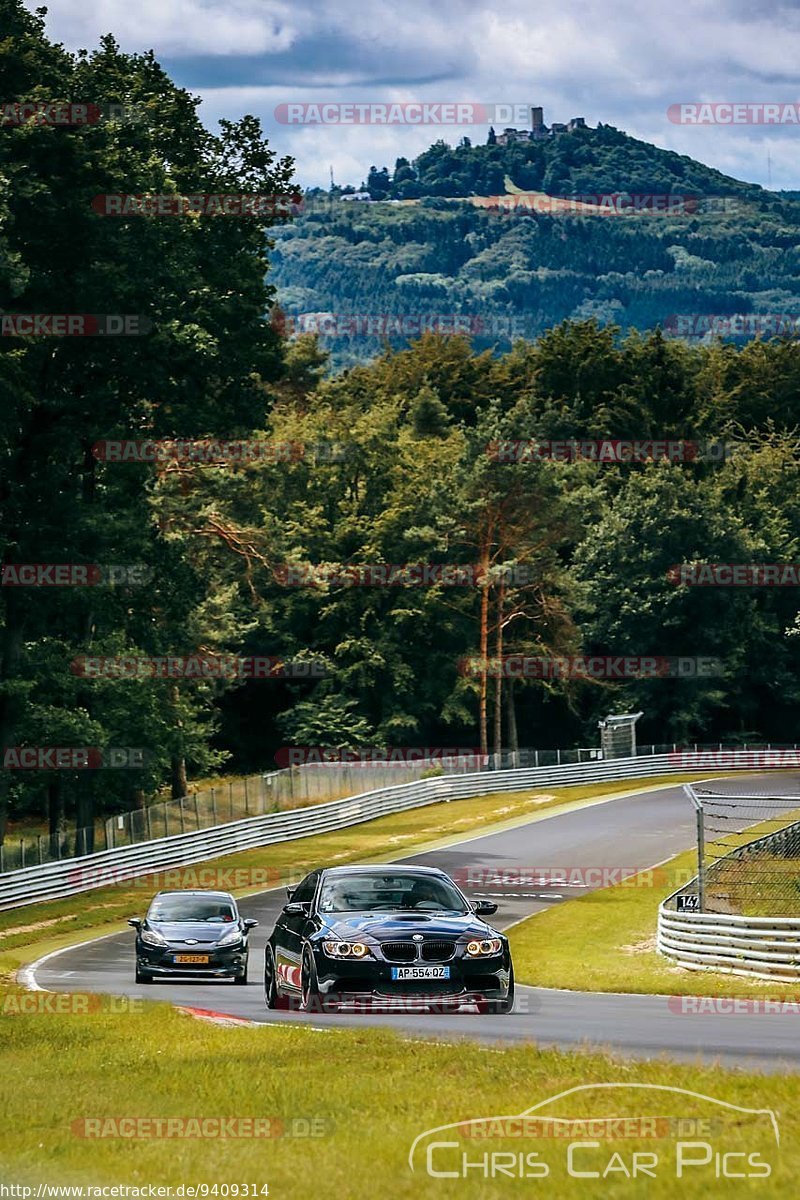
(386,937)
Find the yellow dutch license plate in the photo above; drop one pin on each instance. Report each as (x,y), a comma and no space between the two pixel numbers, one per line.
(191,958)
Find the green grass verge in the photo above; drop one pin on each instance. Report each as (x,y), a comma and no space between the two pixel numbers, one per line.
(374,1093)
(56,923)
(605,942)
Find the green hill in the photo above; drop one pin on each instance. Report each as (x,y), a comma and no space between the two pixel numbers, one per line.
(428,252)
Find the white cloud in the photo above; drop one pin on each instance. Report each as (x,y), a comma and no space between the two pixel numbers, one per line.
(623,64)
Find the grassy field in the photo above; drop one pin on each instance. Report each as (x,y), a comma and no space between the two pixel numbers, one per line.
(365,1096)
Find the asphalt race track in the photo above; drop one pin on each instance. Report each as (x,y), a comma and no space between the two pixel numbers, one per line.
(635,832)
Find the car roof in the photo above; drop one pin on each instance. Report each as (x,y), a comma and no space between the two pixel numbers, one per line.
(208,895)
(384,869)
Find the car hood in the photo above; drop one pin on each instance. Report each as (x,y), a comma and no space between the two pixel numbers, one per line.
(386,926)
(199,931)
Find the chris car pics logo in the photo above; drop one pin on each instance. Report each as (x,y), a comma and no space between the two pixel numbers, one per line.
(621,1133)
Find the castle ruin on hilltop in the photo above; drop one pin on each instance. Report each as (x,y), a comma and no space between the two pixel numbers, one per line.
(539,131)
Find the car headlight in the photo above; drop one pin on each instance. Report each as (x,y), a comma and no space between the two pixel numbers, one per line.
(232,938)
(345,949)
(151,937)
(482,949)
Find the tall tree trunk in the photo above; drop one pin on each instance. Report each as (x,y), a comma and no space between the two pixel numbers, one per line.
(178,774)
(498,690)
(84,819)
(511,723)
(11,639)
(56,816)
(484,648)
(178,761)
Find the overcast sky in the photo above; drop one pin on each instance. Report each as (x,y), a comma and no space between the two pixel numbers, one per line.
(621,63)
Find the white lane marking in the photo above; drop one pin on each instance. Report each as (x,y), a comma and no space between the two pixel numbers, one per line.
(27,974)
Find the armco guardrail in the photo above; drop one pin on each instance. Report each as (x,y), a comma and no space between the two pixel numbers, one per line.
(765,947)
(69,877)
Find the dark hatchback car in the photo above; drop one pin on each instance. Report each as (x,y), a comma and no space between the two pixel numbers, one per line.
(386,937)
(192,933)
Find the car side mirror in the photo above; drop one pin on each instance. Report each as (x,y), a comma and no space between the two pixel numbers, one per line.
(295,910)
(290,891)
(135,923)
(483,908)
(249,923)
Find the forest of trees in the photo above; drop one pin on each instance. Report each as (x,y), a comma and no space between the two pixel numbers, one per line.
(411,480)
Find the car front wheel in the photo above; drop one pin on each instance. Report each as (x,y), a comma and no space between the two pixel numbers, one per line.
(502,1006)
(309,986)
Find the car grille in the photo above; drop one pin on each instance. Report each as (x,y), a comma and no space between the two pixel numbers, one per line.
(438,951)
(400,952)
(430,951)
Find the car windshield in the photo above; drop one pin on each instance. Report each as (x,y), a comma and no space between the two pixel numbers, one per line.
(190,908)
(371,893)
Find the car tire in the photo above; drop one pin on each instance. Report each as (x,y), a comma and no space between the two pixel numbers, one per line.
(272,997)
(311,1000)
(242,979)
(506,1005)
(142,978)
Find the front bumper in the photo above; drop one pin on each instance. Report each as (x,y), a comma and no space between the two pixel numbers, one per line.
(369,982)
(160,960)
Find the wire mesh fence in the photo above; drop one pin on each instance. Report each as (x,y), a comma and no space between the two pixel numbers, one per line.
(748,853)
(313,783)
(229,800)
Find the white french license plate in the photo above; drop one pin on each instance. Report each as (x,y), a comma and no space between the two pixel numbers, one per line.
(420,972)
